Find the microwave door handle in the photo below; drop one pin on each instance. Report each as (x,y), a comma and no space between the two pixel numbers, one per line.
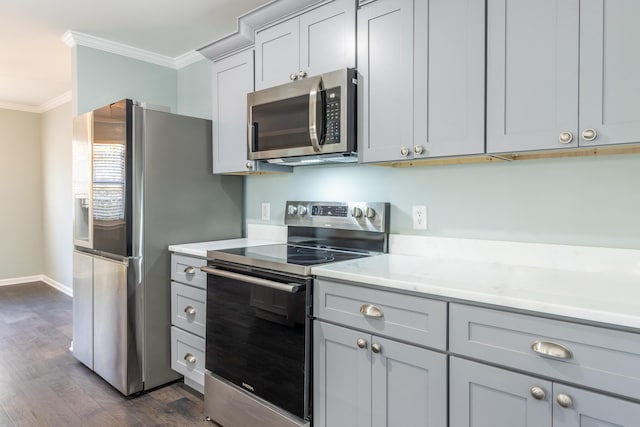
(253,137)
(313,117)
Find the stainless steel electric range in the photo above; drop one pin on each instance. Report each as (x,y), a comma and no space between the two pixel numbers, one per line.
(259,312)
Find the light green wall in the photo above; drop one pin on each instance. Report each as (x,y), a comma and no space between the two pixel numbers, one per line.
(194,89)
(102,78)
(21,252)
(592,201)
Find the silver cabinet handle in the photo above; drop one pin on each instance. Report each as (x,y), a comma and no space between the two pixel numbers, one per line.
(190,358)
(538,393)
(190,310)
(302,74)
(564,400)
(370,310)
(565,137)
(589,134)
(362,343)
(314,126)
(404,151)
(190,270)
(249,165)
(418,149)
(293,76)
(551,349)
(376,348)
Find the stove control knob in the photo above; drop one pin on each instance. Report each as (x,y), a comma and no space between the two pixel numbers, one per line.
(356,212)
(370,213)
(302,210)
(292,210)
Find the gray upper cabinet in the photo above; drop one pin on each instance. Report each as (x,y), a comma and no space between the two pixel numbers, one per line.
(418,98)
(318,41)
(232,80)
(609,72)
(562,73)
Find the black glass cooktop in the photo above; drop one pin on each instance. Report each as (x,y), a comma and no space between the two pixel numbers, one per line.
(285,257)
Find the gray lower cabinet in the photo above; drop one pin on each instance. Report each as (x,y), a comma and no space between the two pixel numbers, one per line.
(562,73)
(421,65)
(188,318)
(363,380)
(486,396)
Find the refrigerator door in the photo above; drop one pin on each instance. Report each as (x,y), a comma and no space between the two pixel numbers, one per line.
(81,180)
(111,195)
(83,308)
(114,299)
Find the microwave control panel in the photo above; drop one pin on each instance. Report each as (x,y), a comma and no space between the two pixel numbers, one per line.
(332,116)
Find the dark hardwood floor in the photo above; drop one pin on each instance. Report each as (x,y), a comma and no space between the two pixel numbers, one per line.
(42,384)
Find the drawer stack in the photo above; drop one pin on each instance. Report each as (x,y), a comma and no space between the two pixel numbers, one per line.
(188,318)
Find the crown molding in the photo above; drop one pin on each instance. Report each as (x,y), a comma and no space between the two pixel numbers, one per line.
(247,24)
(42,108)
(74,38)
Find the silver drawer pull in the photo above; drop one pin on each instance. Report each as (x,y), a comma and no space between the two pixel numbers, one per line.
(564,400)
(189,270)
(551,349)
(538,393)
(190,358)
(190,310)
(370,310)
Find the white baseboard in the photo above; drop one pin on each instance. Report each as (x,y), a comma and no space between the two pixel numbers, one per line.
(38,278)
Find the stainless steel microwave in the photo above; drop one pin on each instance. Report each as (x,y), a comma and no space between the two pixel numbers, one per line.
(306,121)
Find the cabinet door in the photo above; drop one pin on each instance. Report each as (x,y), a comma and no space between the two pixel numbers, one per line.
(448,77)
(484,396)
(83,308)
(232,80)
(590,409)
(327,38)
(341,377)
(277,53)
(610,71)
(385,62)
(408,386)
(532,74)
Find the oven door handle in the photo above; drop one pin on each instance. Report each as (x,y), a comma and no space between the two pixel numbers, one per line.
(286,287)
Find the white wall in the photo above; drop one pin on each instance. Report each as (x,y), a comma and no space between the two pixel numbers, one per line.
(21,250)
(56,199)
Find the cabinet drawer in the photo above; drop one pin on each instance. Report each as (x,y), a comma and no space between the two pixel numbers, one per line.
(184,345)
(186,269)
(188,308)
(403,317)
(594,356)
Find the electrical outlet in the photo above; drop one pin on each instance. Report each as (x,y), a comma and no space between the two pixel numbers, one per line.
(266,211)
(419,217)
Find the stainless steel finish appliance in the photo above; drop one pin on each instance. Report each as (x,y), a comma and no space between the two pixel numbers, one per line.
(259,312)
(307,121)
(140,183)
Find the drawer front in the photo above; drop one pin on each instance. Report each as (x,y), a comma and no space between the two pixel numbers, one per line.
(188,308)
(183,346)
(402,317)
(592,356)
(185,269)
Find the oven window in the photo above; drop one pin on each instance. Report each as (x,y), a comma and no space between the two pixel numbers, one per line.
(256,340)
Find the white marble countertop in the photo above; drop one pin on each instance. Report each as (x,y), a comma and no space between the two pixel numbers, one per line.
(599,296)
(200,249)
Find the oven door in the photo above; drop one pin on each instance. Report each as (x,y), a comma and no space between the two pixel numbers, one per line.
(258,333)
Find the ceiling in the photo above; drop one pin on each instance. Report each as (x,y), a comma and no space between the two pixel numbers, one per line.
(35,64)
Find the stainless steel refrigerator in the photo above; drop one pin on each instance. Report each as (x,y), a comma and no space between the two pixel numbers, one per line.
(141,181)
